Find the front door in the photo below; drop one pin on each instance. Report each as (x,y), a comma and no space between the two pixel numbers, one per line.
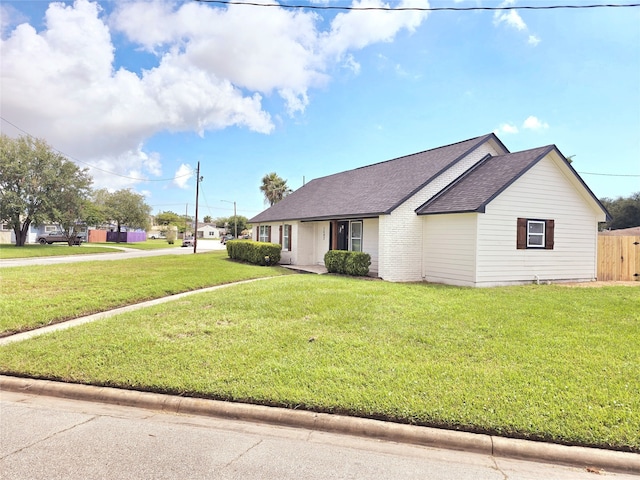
(339,239)
(343,236)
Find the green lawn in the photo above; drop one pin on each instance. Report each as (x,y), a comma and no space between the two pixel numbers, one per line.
(39,295)
(542,362)
(150,244)
(37,250)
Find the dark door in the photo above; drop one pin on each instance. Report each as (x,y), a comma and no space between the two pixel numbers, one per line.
(343,236)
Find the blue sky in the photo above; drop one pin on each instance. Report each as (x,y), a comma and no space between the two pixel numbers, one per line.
(143,91)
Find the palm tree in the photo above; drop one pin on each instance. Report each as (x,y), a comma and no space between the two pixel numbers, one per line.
(274,188)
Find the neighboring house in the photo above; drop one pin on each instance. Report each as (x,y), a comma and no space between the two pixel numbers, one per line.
(469,214)
(7,235)
(206,230)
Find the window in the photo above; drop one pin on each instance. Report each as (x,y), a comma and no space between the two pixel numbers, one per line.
(285,237)
(50,228)
(264,234)
(356,236)
(534,233)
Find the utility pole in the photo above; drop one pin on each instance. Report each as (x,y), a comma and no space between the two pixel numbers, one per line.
(195,229)
(186,214)
(235,219)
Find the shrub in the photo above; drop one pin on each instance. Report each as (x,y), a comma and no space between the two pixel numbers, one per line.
(258,253)
(347,263)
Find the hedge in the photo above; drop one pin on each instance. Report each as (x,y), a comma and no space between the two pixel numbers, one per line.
(258,253)
(347,263)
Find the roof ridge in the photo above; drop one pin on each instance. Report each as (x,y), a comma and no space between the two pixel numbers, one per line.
(544,147)
(423,151)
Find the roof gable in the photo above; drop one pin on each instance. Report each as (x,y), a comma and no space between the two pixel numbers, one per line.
(479,185)
(371,190)
(475,188)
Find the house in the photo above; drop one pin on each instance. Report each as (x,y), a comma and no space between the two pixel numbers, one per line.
(470,213)
(207,230)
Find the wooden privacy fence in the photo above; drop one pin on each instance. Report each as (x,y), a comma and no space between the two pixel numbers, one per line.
(618,258)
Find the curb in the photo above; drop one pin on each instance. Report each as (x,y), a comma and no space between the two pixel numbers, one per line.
(581,457)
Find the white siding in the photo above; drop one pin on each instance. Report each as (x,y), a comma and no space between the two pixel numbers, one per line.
(544,192)
(303,247)
(450,248)
(401,235)
(370,241)
(322,240)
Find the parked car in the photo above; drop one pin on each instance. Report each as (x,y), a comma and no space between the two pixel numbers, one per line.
(187,242)
(56,237)
(226,238)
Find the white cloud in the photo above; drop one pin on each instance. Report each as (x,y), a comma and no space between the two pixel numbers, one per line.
(213,68)
(182,176)
(506,128)
(532,123)
(512,19)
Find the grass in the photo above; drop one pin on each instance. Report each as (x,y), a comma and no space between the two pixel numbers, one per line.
(39,295)
(30,251)
(539,362)
(37,250)
(150,244)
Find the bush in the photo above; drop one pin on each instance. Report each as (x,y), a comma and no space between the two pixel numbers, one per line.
(258,253)
(347,263)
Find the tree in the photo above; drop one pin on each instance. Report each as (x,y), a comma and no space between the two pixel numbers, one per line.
(169,218)
(207,219)
(127,208)
(235,224)
(274,188)
(625,211)
(38,185)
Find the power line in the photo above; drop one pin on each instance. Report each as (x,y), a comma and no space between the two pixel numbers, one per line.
(419,9)
(609,174)
(98,168)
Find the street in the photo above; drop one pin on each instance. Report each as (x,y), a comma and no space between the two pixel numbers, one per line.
(52,438)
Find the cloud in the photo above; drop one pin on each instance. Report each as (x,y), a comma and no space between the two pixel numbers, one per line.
(532,123)
(213,67)
(512,19)
(506,128)
(182,176)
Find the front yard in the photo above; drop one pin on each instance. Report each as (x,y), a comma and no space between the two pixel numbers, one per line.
(540,362)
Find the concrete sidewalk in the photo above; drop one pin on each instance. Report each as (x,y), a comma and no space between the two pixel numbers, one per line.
(581,457)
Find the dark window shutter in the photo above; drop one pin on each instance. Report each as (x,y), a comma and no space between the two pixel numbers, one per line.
(269,233)
(522,233)
(280,234)
(548,236)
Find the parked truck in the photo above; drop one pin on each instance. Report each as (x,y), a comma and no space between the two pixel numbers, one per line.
(56,237)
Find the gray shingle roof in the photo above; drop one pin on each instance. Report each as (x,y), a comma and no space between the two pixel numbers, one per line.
(473,190)
(369,191)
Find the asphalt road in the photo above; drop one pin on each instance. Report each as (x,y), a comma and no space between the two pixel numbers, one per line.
(52,438)
(203,246)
